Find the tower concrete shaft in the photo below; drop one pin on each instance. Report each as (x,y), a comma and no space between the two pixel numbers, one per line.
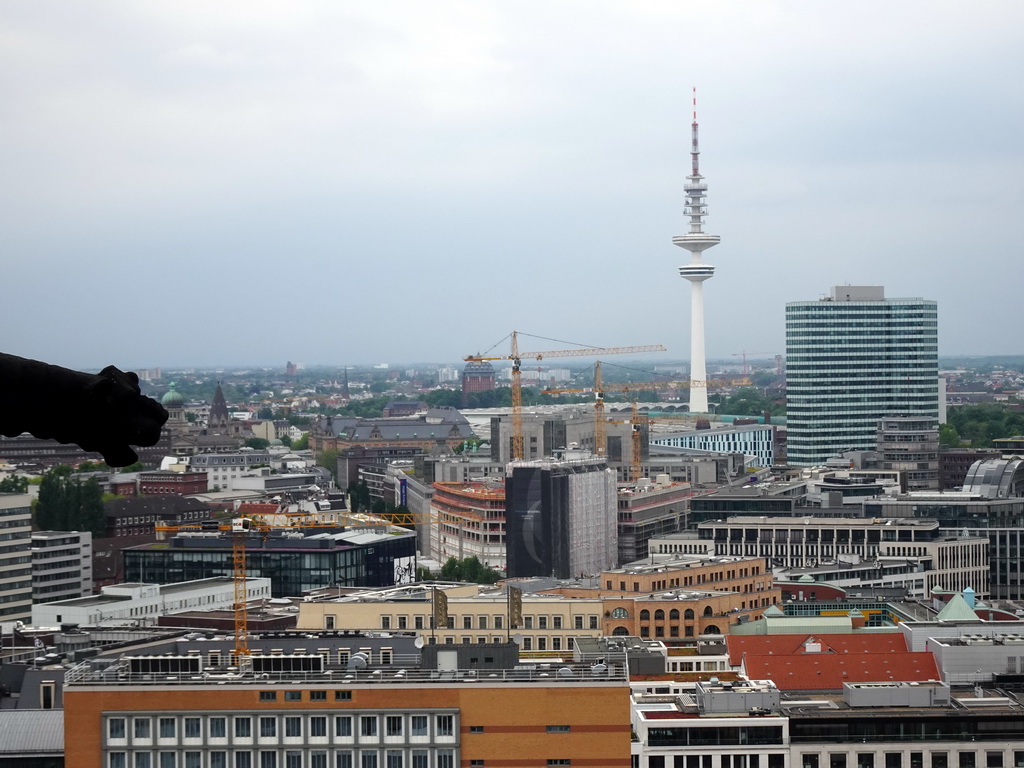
(696,241)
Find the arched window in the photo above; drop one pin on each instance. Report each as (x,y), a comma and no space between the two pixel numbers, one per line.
(620,631)
(712,629)
(620,613)
(673,615)
(708,611)
(688,614)
(659,615)
(645,615)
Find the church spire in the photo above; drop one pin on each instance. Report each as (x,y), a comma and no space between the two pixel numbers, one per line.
(219,416)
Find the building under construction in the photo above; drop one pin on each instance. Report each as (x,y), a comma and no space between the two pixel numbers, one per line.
(561,517)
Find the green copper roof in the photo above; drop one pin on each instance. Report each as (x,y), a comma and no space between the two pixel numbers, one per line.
(957,610)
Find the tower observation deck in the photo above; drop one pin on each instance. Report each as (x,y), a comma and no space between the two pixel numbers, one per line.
(696,241)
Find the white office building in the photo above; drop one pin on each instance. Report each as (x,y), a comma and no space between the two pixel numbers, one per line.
(15,556)
(136,605)
(61,565)
(755,440)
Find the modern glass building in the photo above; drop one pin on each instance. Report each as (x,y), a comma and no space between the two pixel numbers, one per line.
(293,564)
(851,359)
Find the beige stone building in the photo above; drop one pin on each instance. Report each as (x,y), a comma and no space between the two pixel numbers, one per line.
(476,614)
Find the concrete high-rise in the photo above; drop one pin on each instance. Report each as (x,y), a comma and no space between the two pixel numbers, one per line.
(696,241)
(910,444)
(851,359)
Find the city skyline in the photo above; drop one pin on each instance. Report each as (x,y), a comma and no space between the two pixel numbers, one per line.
(322,169)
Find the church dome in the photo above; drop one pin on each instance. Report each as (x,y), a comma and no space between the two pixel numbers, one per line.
(173,398)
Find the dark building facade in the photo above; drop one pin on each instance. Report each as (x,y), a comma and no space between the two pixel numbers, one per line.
(294,565)
(136,516)
(560,518)
(954,464)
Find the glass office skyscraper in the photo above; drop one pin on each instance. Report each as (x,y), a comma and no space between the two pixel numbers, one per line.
(852,358)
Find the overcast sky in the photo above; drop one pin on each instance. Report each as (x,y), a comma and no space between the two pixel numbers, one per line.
(196,183)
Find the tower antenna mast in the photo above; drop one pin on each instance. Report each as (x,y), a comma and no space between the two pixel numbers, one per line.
(696,241)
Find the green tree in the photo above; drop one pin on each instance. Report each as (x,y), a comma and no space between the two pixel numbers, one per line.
(748,401)
(285,441)
(443,398)
(365,409)
(14,484)
(329,460)
(469,570)
(266,412)
(95,466)
(68,504)
(259,443)
(359,496)
(948,436)
(451,570)
(980,424)
(89,514)
(302,444)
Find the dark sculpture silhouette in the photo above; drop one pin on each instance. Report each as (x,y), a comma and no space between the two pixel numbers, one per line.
(103,412)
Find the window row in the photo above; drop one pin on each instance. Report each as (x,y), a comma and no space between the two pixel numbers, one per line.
(476,621)
(388,758)
(368,726)
(724,761)
(939,759)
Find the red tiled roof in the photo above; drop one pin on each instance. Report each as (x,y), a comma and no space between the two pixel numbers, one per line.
(257,508)
(785,645)
(828,671)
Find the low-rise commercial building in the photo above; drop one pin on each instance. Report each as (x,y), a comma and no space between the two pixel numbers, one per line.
(334,700)
(296,564)
(647,510)
(141,604)
(474,615)
(222,469)
(940,559)
(158,483)
(754,440)
(991,504)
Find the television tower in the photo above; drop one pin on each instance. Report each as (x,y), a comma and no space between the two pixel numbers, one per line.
(696,241)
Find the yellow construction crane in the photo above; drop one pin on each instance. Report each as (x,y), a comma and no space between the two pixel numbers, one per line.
(600,441)
(517,358)
(240,528)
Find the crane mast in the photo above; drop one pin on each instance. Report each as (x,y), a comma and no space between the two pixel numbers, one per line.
(638,421)
(518,452)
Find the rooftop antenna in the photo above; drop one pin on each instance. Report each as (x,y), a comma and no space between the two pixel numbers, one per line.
(694,150)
